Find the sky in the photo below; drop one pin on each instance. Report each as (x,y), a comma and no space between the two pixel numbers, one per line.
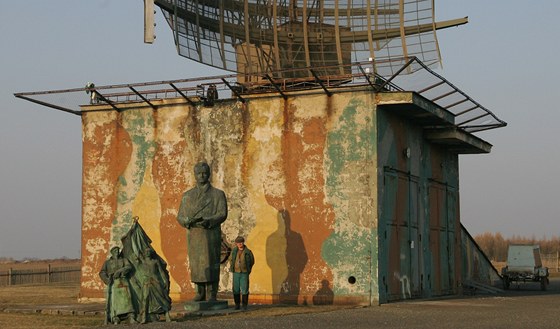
(504,58)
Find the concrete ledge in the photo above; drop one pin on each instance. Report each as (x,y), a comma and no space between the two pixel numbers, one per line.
(206,306)
(458,141)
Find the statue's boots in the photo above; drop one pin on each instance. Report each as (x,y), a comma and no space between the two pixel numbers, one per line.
(237,300)
(212,291)
(200,292)
(244,301)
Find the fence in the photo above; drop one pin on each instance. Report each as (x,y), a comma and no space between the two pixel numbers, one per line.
(552,261)
(37,275)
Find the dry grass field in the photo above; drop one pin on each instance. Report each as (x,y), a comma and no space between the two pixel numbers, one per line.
(18,296)
(38,264)
(51,294)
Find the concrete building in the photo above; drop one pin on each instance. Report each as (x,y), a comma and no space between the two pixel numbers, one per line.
(347,193)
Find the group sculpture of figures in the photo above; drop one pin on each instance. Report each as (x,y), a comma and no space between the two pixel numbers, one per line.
(137,281)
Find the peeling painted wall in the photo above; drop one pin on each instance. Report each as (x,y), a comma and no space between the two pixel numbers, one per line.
(299,175)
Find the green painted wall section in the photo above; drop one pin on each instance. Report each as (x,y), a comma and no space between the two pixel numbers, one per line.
(139,126)
(351,148)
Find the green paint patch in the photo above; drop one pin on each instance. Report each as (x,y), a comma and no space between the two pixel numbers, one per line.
(350,149)
(140,126)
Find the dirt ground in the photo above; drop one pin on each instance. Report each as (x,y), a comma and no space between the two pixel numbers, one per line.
(525,306)
(53,294)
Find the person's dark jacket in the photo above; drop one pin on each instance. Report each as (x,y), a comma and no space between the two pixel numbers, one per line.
(249,259)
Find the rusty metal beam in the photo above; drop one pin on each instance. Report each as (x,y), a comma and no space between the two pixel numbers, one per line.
(143,98)
(473,119)
(456,103)
(444,95)
(276,86)
(182,94)
(53,106)
(107,101)
(320,82)
(431,87)
(366,75)
(234,91)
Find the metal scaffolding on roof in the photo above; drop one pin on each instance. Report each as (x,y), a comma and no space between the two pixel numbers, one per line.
(412,75)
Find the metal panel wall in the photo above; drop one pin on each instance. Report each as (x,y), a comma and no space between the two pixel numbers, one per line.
(418,212)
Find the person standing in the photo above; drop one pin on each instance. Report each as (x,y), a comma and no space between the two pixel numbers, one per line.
(202,211)
(242,261)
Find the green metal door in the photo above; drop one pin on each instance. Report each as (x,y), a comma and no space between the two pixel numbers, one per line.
(400,246)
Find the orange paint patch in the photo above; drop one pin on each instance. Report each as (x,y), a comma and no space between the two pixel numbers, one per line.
(102,163)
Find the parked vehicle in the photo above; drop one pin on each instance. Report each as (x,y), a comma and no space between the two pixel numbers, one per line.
(524,265)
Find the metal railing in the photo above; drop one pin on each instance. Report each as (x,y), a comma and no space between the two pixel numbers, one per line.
(412,76)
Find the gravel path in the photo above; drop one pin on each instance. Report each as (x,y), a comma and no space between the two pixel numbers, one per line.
(526,307)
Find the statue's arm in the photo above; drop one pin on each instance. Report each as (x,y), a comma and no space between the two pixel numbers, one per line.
(182,217)
(124,270)
(221,212)
(104,275)
(127,268)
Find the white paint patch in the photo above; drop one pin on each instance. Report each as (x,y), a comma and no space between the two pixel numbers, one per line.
(310,107)
(92,121)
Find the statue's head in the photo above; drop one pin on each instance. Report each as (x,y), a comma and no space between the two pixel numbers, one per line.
(202,172)
(115,251)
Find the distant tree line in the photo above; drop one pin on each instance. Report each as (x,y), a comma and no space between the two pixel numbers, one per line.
(495,246)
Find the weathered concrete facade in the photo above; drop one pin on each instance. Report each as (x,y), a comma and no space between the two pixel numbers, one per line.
(342,199)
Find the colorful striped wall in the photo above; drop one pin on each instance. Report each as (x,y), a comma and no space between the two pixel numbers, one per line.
(300,177)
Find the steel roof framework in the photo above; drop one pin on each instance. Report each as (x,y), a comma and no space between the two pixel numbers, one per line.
(469,115)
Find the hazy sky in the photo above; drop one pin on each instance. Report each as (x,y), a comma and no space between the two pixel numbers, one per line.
(505,59)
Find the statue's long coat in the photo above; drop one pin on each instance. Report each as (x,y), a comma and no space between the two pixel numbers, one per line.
(204,244)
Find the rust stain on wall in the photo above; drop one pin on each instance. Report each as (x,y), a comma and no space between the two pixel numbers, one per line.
(304,216)
(169,173)
(106,152)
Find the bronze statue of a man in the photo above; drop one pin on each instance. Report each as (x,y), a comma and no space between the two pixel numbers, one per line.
(203,210)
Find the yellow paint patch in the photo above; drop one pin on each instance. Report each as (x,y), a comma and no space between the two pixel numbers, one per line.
(148,208)
(264,153)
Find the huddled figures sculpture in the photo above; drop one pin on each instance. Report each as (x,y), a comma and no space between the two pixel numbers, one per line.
(115,274)
(137,280)
(154,282)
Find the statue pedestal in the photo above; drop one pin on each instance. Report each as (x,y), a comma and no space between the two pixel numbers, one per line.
(206,306)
